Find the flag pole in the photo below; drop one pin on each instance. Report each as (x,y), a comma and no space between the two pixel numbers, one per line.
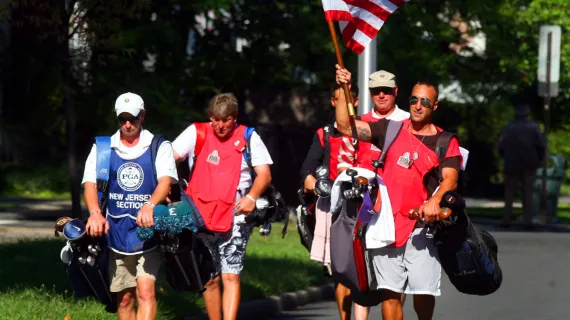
(347,93)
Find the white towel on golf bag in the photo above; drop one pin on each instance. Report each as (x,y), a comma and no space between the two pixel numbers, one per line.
(335,192)
(381,231)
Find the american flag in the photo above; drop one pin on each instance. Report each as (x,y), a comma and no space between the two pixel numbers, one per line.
(360,20)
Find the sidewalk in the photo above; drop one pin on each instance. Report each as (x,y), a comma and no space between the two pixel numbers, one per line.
(33,218)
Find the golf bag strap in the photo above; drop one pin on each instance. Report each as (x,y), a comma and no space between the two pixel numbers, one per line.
(392,131)
(327,145)
(103,165)
(441,146)
(247,154)
(200,139)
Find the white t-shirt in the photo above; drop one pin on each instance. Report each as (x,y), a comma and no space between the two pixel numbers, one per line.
(165,164)
(185,143)
(398,115)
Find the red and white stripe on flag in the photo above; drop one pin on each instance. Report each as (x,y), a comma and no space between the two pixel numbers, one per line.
(360,20)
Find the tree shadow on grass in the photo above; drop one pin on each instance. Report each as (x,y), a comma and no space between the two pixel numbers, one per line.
(31,264)
(36,264)
(262,277)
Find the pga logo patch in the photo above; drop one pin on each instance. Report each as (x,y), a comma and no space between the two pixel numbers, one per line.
(130,176)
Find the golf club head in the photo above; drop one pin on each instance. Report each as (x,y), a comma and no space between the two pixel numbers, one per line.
(74,230)
(91,260)
(65,254)
(265,229)
(82,258)
(322,172)
(323,187)
(376,164)
(60,224)
(351,172)
(261,203)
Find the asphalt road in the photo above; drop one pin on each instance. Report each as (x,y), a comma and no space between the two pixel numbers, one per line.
(536,285)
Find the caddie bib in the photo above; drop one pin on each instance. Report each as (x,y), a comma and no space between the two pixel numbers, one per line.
(403,177)
(215,179)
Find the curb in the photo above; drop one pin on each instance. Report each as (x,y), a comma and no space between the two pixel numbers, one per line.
(273,305)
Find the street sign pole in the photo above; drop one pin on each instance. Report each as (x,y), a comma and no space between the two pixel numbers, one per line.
(548,78)
(544,205)
(366,66)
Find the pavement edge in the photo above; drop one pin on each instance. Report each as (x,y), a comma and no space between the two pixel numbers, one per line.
(276,304)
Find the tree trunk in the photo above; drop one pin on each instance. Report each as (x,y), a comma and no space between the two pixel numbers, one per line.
(71,136)
(75,187)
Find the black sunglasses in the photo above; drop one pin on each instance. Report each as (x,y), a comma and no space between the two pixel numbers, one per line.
(424,101)
(132,120)
(385,90)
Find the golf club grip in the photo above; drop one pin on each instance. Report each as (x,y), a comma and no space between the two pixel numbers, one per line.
(444,213)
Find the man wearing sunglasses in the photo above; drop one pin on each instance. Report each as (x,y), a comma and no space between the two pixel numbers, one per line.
(132,194)
(411,174)
(383,91)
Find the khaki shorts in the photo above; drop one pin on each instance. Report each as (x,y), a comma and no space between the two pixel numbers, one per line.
(125,269)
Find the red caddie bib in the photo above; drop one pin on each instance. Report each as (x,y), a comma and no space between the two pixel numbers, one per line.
(215,179)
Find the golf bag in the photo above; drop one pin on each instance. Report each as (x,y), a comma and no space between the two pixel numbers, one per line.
(189,264)
(467,255)
(87,259)
(188,261)
(306,218)
(350,261)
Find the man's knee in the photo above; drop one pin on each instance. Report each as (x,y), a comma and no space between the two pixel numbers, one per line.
(213,283)
(391,298)
(424,305)
(145,290)
(126,299)
(230,278)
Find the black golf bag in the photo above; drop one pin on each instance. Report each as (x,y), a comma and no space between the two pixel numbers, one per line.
(189,264)
(88,264)
(467,255)
(306,218)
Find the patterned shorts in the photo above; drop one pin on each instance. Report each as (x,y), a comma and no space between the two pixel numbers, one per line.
(228,248)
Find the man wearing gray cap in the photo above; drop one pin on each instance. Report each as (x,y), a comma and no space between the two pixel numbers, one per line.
(134,188)
(383,91)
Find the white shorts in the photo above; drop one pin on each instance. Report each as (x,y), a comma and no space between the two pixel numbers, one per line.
(411,269)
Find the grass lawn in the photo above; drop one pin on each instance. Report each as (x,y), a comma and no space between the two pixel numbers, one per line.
(33,284)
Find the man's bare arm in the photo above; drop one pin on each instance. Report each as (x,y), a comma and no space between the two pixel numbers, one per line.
(262,180)
(90,197)
(343,122)
(363,131)
(162,189)
(450,177)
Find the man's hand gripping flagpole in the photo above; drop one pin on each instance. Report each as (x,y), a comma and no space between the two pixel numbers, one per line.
(347,93)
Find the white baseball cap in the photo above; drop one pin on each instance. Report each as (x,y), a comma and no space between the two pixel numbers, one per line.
(129,102)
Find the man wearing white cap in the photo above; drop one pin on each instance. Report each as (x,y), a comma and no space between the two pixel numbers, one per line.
(133,190)
(383,91)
